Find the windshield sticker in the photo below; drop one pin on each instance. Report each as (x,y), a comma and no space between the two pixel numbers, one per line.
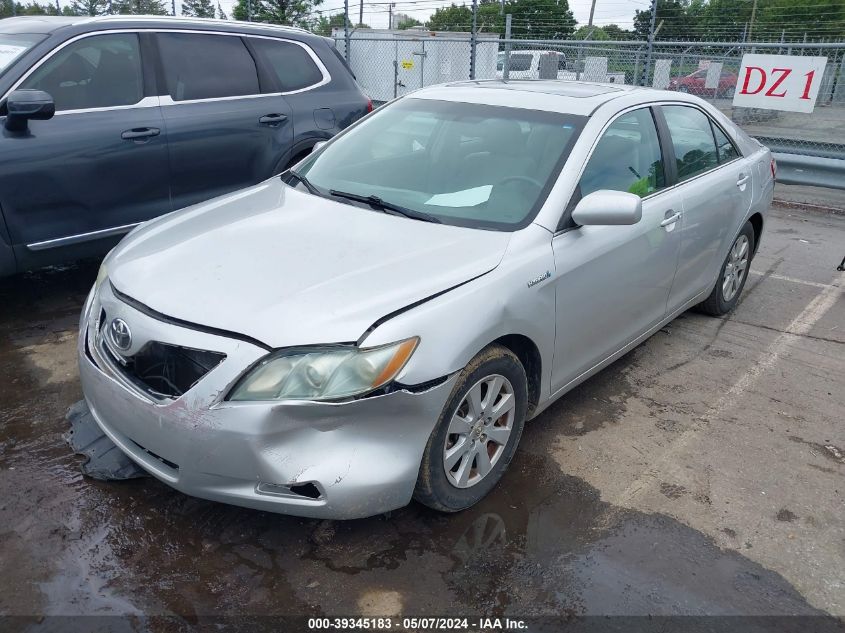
(8,53)
(465,198)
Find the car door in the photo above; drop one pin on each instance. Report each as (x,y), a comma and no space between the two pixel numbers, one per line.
(226,128)
(99,166)
(612,282)
(715,184)
(319,107)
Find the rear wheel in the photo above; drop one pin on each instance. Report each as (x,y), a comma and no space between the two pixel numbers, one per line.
(477,434)
(725,294)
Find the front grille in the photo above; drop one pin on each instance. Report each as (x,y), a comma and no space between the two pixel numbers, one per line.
(164,370)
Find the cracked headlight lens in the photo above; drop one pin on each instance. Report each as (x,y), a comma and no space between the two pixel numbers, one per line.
(324,374)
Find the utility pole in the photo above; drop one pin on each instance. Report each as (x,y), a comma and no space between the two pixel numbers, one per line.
(473,38)
(249,10)
(507,68)
(592,12)
(174,8)
(390,15)
(361,13)
(753,14)
(346,27)
(647,66)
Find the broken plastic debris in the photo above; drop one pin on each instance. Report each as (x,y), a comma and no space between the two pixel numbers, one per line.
(105,460)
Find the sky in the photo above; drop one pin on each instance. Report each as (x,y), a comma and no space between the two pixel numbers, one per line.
(376,13)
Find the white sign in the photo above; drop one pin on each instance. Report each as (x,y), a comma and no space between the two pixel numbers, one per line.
(714,73)
(662,70)
(8,53)
(779,82)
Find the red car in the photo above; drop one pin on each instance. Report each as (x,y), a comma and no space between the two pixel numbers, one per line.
(694,84)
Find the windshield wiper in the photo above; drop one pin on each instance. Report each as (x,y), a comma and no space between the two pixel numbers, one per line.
(311,188)
(377,202)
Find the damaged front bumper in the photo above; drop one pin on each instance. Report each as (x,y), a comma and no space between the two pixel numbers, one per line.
(317,459)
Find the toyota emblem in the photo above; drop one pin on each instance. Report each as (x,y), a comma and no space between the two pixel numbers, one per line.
(120,334)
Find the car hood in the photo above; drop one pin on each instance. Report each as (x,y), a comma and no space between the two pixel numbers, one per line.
(288,268)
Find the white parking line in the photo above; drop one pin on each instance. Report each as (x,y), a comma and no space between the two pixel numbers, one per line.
(801,325)
(793,280)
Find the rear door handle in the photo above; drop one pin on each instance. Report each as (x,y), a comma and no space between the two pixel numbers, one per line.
(140,133)
(272,119)
(671,217)
(743,178)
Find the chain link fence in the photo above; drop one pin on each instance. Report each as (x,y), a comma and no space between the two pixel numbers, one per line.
(390,63)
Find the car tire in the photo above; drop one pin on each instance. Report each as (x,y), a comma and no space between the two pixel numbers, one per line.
(683,89)
(453,474)
(732,275)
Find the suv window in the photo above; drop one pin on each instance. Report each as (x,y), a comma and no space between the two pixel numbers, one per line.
(520,63)
(627,157)
(726,149)
(207,66)
(95,72)
(692,138)
(291,63)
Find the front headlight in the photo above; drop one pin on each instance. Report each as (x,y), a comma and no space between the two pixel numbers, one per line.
(324,374)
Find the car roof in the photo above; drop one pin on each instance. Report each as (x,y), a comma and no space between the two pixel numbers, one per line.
(48,24)
(565,96)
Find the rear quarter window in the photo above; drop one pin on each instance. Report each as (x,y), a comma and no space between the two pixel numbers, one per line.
(292,65)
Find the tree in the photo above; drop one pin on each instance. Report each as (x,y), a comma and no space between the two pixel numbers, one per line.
(89,7)
(676,22)
(221,15)
(617,33)
(590,33)
(289,12)
(139,7)
(409,23)
(541,19)
(198,8)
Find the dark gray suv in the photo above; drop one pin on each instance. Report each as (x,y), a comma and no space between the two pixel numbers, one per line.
(110,121)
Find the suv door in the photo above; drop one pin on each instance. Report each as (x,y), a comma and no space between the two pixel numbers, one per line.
(99,166)
(715,184)
(223,133)
(612,282)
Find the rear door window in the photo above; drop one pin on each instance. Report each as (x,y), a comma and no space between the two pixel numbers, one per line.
(291,63)
(207,66)
(692,138)
(101,71)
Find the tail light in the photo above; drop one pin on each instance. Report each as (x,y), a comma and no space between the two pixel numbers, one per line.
(774,167)
(369,105)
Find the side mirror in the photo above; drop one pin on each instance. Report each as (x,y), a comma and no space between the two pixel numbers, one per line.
(23,105)
(606,208)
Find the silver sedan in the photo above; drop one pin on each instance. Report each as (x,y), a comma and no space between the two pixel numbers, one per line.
(379,323)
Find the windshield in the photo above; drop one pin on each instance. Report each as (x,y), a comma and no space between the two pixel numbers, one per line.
(465,164)
(13,46)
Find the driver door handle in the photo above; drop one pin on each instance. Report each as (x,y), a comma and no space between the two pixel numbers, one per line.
(272,119)
(743,178)
(671,217)
(140,133)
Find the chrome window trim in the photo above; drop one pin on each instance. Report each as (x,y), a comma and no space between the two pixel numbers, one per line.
(146,102)
(161,98)
(81,237)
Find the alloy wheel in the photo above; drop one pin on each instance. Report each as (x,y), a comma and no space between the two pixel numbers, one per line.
(735,268)
(479,431)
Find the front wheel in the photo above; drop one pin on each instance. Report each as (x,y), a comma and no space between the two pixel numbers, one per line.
(477,433)
(725,294)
